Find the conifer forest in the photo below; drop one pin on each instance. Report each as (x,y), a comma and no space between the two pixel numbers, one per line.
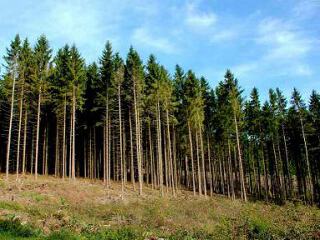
(120,120)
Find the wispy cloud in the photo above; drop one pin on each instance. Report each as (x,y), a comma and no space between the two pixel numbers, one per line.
(306,9)
(242,70)
(282,40)
(197,19)
(223,35)
(143,37)
(74,22)
(206,36)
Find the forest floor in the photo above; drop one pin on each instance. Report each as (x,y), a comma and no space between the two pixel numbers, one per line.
(51,208)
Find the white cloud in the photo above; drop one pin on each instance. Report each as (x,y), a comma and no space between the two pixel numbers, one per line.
(74,21)
(306,9)
(197,19)
(282,40)
(224,35)
(143,37)
(242,70)
(302,70)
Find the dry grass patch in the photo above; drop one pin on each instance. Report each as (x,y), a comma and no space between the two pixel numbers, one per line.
(85,205)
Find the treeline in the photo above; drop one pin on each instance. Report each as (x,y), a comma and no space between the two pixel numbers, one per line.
(124,121)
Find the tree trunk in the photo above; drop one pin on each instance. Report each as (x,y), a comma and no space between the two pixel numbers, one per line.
(203,163)
(309,180)
(64,155)
(56,165)
(19,132)
(70,144)
(106,146)
(230,172)
(131,154)
(37,136)
(210,167)
(73,134)
(151,155)
(138,143)
(24,142)
(44,151)
(120,137)
(175,171)
(243,187)
(159,141)
(289,182)
(10,127)
(170,154)
(198,164)
(191,155)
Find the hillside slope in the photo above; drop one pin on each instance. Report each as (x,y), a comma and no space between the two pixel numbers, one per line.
(84,209)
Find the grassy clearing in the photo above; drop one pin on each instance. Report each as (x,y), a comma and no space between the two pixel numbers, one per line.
(54,209)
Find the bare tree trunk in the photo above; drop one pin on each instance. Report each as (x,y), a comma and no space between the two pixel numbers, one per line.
(37,136)
(191,155)
(19,132)
(73,134)
(243,187)
(165,160)
(44,152)
(278,179)
(187,183)
(309,180)
(138,143)
(131,154)
(203,163)
(210,167)
(109,153)
(120,137)
(90,155)
(106,145)
(124,154)
(70,144)
(56,165)
(175,171)
(198,164)
(85,154)
(32,150)
(64,139)
(170,154)
(160,167)
(104,154)
(151,155)
(287,162)
(24,142)
(230,171)
(10,126)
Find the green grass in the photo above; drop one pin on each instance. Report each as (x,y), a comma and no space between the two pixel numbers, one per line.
(54,209)
(14,230)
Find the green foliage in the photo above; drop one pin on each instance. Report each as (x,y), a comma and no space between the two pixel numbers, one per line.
(14,228)
(63,235)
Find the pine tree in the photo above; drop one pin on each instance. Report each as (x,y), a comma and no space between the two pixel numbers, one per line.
(75,91)
(299,107)
(59,87)
(12,65)
(134,76)
(24,81)
(282,104)
(117,81)
(42,56)
(253,128)
(104,86)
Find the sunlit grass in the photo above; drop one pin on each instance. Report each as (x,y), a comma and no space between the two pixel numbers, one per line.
(84,209)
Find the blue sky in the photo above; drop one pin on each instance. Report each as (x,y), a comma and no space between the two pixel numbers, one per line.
(267,44)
